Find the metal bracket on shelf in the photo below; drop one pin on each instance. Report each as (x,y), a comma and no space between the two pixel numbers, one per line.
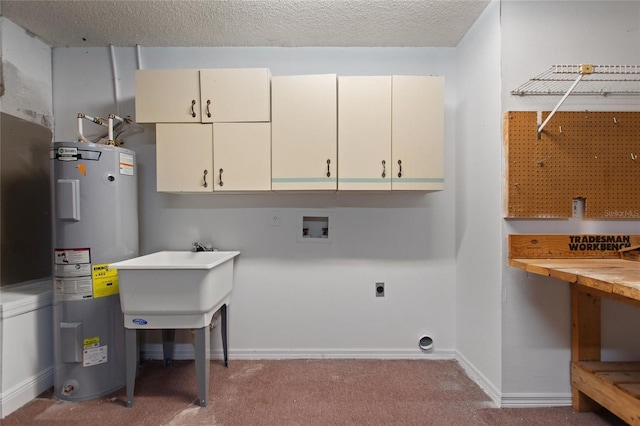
(566,95)
(584,69)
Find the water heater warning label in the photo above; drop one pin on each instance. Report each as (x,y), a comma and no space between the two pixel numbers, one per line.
(72,256)
(73,289)
(126,164)
(73,274)
(94,356)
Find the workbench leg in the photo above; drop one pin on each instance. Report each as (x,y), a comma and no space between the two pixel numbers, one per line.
(202,364)
(223,316)
(585,338)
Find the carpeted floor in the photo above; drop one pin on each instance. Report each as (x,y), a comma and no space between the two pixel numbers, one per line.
(301,392)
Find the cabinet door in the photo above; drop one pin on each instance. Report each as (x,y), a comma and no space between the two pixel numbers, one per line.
(242,157)
(364,133)
(167,96)
(304,132)
(418,133)
(235,95)
(184,157)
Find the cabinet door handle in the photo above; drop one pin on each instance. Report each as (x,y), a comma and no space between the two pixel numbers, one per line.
(208,112)
(204,178)
(193,108)
(400,170)
(220,177)
(328,167)
(384,169)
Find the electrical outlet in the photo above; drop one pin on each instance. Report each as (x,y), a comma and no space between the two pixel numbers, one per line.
(379,289)
(274,218)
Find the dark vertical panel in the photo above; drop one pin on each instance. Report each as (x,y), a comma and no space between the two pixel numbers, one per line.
(25,253)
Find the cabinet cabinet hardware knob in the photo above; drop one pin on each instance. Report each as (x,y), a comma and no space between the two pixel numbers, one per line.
(220,177)
(193,109)
(208,112)
(384,169)
(328,167)
(400,170)
(204,178)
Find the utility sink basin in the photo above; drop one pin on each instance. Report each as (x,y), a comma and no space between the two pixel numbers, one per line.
(174,289)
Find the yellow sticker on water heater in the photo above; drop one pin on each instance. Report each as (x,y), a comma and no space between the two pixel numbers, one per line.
(91,342)
(105,281)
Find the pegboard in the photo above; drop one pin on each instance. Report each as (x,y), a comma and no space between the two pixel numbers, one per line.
(589,155)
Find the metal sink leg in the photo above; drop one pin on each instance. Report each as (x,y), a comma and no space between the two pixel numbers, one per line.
(202,339)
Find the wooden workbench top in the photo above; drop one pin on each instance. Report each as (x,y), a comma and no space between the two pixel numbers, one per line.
(592,261)
(616,276)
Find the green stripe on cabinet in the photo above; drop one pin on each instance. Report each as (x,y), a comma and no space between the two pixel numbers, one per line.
(357,180)
(364,180)
(418,180)
(302,180)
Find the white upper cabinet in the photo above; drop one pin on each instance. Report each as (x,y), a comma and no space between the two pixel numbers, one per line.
(218,157)
(235,95)
(242,157)
(232,130)
(417,133)
(304,132)
(167,96)
(390,133)
(364,133)
(207,96)
(184,157)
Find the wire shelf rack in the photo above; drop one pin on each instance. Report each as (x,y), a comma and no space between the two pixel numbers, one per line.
(600,80)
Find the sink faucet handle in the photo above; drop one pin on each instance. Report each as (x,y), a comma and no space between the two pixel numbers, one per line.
(202,247)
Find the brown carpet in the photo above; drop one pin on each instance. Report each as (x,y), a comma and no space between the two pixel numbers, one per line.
(301,392)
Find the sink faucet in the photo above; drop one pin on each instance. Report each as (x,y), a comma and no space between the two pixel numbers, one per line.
(201,247)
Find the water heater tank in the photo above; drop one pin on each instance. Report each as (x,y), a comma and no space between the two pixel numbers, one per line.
(96,223)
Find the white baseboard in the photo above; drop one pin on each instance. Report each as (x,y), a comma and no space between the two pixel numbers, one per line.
(25,391)
(513,400)
(523,400)
(474,374)
(185,351)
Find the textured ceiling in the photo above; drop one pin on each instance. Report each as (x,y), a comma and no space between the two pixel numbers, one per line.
(333,23)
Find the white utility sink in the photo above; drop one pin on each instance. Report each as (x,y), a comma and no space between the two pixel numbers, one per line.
(174,289)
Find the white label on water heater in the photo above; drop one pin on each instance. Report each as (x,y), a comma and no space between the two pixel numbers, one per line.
(94,356)
(126,164)
(77,270)
(72,256)
(73,288)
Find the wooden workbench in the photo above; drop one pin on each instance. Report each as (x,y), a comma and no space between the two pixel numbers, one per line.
(613,385)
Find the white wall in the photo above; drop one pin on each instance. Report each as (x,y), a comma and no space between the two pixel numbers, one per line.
(26,75)
(536,313)
(478,201)
(290,298)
